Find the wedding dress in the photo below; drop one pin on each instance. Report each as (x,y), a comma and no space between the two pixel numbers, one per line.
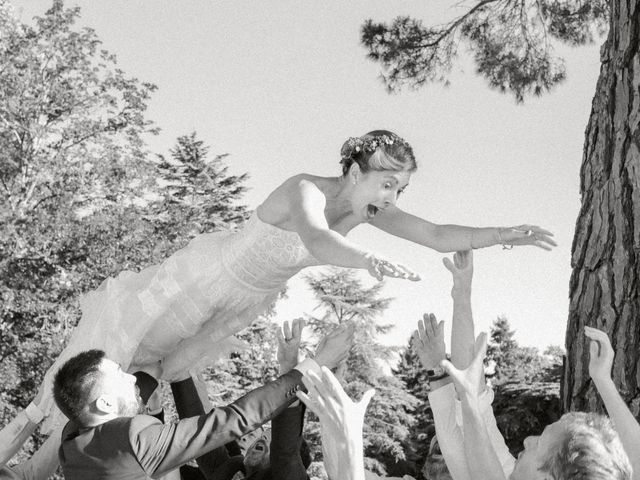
(217,285)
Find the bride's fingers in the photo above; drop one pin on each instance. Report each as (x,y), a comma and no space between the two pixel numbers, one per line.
(407,272)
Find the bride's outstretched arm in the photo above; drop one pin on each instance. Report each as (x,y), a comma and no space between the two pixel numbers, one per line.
(307,205)
(449,238)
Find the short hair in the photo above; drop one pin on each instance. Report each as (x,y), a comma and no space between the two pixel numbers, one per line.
(395,156)
(435,466)
(589,450)
(74,382)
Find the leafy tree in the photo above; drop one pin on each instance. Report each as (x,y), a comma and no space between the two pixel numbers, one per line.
(343,299)
(511,42)
(69,119)
(512,45)
(80,200)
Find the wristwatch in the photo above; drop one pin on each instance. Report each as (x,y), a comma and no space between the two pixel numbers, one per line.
(437,373)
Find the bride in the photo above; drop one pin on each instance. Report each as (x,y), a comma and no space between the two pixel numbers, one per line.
(220,282)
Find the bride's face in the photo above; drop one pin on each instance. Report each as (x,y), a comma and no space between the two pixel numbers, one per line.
(377,190)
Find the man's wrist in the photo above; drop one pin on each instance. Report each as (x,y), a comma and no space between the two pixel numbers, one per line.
(308,364)
(286,367)
(33,413)
(461,291)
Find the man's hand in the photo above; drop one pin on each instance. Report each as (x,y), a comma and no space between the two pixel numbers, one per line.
(335,346)
(469,382)
(600,354)
(342,421)
(429,341)
(461,269)
(289,344)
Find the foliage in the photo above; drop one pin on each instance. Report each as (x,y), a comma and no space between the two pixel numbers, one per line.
(80,201)
(511,41)
(343,299)
(199,187)
(410,371)
(245,371)
(514,363)
(527,385)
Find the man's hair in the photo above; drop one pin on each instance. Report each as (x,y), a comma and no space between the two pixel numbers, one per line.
(74,382)
(589,450)
(435,466)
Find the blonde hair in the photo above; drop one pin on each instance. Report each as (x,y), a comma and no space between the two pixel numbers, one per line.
(589,450)
(378,150)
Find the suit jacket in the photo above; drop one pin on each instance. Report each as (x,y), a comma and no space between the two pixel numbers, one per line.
(286,443)
(133,448)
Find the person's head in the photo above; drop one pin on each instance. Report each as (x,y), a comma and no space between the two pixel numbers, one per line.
(578,446)
(435,468)
(91,389)
(256,446)
(378,165)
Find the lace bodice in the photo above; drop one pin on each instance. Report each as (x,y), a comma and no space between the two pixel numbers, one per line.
(264,257)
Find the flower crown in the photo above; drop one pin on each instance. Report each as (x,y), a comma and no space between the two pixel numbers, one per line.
(355,145)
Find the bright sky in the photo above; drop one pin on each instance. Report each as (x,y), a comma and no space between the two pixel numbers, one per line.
(281,85)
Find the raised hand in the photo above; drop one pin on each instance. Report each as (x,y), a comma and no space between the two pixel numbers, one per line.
(379,268)
(461,268)
(289,344)
(335,346)
(600,354)
(341,419)
(527,235)
(429,341)
(470,381)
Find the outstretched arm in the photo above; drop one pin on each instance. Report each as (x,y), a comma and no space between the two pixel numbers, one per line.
(18,431)
(479,450)
(450,238)
(443,403)
(341,420)
(600,362)
(462,335)
(307,205)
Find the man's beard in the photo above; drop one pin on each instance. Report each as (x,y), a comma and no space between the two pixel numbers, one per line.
(131,407)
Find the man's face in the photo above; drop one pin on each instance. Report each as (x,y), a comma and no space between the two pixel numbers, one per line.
(536,451)
(121,386)
(257,453)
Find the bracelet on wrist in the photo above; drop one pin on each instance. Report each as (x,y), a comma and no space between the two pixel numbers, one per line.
(505,246)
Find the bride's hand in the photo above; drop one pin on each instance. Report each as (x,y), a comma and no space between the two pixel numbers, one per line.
(379,268)
(527,235)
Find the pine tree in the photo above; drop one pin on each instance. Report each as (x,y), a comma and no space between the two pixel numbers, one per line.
(414,377)
(343,299)
(200,186)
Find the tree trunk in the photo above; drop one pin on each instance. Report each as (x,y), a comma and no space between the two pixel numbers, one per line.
(605,283)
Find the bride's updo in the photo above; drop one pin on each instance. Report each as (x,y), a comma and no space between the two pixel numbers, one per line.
(378,150)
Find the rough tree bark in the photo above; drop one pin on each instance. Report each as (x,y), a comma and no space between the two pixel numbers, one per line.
(605,283)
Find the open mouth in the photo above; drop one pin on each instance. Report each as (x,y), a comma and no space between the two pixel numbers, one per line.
(372,210)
